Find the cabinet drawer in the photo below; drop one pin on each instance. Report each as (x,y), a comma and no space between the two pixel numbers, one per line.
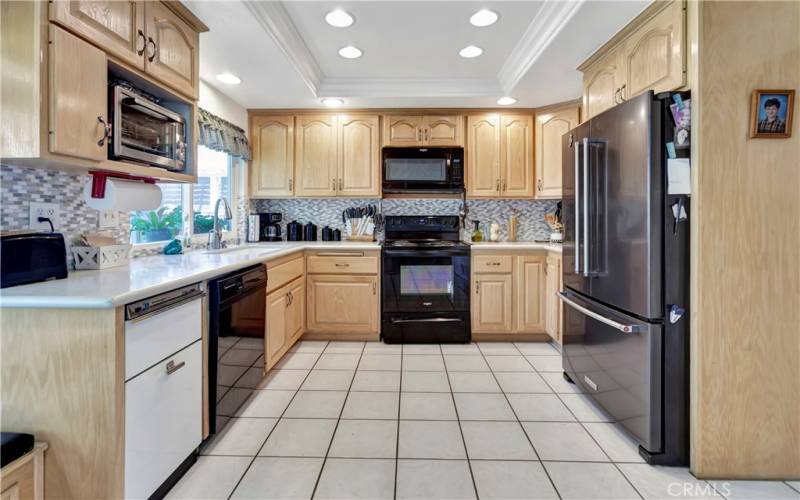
(491,264)
(284,273)
(153,338)
(163,420)
(343,263)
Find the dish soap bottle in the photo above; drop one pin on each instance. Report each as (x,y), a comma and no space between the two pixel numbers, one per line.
(476,233)
(512,226)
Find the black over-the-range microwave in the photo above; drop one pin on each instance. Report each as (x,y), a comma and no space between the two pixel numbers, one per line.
(423,170)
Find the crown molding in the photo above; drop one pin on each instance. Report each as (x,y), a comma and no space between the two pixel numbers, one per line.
(275,20)
(408,87)
(549,21)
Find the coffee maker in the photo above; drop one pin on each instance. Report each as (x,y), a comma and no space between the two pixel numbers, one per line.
(264,227)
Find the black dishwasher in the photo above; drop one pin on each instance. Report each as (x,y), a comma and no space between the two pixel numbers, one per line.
(237,304)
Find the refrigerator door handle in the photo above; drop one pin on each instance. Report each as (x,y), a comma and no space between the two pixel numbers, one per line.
(585,206)
(577,209)
(564,296)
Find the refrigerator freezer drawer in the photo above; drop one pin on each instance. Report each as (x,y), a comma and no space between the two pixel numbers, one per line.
(617,361)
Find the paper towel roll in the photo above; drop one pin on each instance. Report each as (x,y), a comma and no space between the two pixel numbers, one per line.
(124,196)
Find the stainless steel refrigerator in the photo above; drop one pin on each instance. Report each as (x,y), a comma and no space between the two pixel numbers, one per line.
(625,274)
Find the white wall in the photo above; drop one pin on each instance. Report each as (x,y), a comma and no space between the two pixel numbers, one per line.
(221,105)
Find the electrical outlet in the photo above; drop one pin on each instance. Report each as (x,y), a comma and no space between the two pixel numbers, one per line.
(107,218)
(49,210)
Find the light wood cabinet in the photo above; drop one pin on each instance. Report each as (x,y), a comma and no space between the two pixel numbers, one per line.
(316,159)
(403,130)
(499,156)
(551,125)
(342,304)
(276,326)
(439,130)
(554,308)
(296,317)
(602,83)
(483,155)
(444,130)
(272,166)
(78,113)
(516,156)
(115,26)
(171,55)
(23,479)
(491,304)
(530,294)
(358,168)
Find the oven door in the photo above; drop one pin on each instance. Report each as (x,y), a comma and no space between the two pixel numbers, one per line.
(425,281)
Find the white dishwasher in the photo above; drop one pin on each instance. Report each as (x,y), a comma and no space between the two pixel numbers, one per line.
(163,389)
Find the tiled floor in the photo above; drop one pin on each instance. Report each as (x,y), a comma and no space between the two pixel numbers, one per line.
(354,420)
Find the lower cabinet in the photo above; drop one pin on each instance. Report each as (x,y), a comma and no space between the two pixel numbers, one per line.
(491,306)
(342,303)
(530,301)
(284,323)
(554,308)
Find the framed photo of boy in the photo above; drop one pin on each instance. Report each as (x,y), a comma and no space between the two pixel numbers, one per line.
(771,114)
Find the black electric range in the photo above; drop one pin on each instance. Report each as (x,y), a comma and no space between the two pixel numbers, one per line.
(425,284)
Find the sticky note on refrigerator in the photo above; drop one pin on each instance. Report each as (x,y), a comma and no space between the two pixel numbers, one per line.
(679,176)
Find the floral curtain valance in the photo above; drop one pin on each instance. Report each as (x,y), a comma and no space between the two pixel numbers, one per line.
(222,135)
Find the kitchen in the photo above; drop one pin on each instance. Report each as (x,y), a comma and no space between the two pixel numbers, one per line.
(355,268)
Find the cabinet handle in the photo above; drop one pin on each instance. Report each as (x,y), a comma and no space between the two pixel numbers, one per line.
(172,367)
(374,288)
(153,43)
(333,184)
(539,185)
(622,93)
(288,299)
(419,135)
(492,263)
(505,185)
(290,184)
(341,184)
(106,130)
(498,185)
(339,264)
(426,133)
(144,43)
(478,287)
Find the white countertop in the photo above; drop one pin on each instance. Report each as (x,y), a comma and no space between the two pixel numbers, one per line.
(515,245)
(147,276)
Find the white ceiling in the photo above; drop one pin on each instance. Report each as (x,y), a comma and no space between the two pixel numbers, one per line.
(286,55)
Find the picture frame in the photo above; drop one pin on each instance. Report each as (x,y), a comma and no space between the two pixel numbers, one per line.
(771,114)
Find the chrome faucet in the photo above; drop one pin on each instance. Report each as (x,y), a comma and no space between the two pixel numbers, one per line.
(215,236)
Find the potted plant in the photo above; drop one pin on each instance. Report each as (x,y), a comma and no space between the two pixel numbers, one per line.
(155,225)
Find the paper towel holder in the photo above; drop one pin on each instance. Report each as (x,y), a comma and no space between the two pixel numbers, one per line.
(99,181)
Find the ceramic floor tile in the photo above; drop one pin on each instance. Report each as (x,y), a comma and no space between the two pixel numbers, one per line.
(657,483)
(497,441)
(284,380)
(371,405)
(365,439)
(425,382)
(615,441)
(376,381)
(546,363)
(299,438)
(430,439)
(381,348)
(483,407)
(540,407)
(251,343)
(309,346)
(537,349)
(239,357)
(508,364)
(584,408)
(328,380)
(422,349)
(297,361)
(563,441)
(227,341)
(241,436)
(210,477)
(252,378)
(345,347)
(279,478)
(227,375)
(422,363)
(473,382)
(316,404)
(230,401)
(465,363)
(337,361)
(427,406)
(512,382)
(370,361)
(795,485)
(347,478)
(588,481)
(558,384)
(434,479)
(755,490)
(498,348)
(512,480)
(266,404)
(462,349)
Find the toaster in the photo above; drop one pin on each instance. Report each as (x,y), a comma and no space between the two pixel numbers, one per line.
(27,257)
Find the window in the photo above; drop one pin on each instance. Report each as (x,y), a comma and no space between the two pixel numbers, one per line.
(163,223)
(213,182)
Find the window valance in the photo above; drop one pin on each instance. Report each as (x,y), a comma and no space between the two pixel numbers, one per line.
(222,135)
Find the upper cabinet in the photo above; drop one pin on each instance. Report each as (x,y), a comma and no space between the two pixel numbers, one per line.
(315,167)
(272,167)
(648,54)
(401,130)
(499,156)
(359,170)
(172,49)
(551,125)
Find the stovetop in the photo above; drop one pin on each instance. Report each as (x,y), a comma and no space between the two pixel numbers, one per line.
(426,243)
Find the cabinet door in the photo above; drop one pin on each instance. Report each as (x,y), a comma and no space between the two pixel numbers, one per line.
(550,127)
(296,317)
(601,83)
(553,304)
(359,156)
(483,155)
(171,54)
(444,130)
(272,167)
(78,97)
(115,26)
(403,130)
(342,303)
(276,325)
(530,294)
(655,54)
(516,156)
(315,142)
(491,309)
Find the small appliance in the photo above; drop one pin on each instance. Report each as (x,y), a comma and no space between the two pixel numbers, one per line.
(264,227)
(30,257)
(294,231)
(423,170)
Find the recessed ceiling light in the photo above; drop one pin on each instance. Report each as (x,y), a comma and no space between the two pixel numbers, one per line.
(229,78)
(483,17)
(350,52)
(332,101)
(506,101)
(470,51)
(339,18)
